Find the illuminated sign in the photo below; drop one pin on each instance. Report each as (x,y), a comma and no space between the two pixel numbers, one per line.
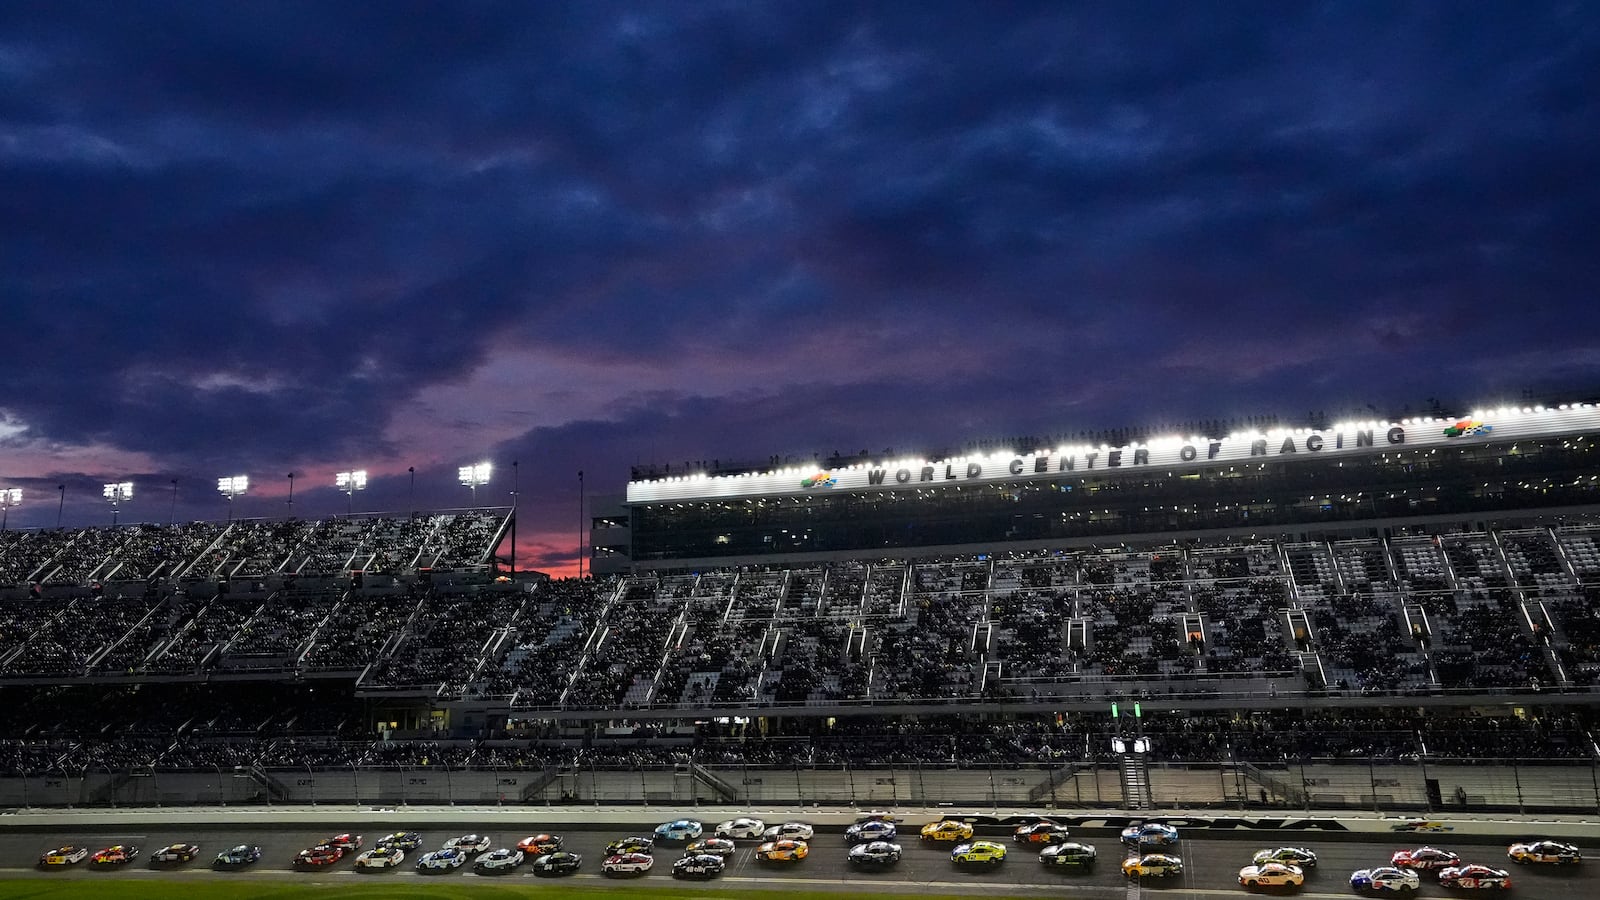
(1171,454)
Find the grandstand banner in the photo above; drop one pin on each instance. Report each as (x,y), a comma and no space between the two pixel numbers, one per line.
(1497,426)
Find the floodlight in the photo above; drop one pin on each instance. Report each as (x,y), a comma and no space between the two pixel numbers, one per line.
(9,497)
(122,490)
(350,482)
(231,486)
(473,476)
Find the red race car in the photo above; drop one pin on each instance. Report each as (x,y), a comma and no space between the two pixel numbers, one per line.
(1425,859)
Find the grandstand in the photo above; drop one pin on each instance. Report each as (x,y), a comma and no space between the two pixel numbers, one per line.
(215,658)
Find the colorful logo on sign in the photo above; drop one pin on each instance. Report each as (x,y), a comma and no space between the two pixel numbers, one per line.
(821,479)
(1467,428)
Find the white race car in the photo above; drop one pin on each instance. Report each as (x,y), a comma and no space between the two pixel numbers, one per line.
(497,862)
(741,828)
(442,860)
(791,831)
(381,858)
(1272,874)
(870,830)
(471,843)
(627,864)
(1386,879)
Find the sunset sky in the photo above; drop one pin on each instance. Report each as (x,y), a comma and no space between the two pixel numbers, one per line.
(283,237)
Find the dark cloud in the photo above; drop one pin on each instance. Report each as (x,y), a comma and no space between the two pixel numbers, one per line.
(300,235)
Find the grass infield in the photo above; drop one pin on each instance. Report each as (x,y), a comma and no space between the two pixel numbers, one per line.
(97,889)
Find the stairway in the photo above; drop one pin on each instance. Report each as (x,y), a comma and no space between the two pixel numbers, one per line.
(1136,782)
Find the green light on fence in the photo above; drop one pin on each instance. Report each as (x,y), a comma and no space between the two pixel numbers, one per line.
(1137,713)
(1113,710)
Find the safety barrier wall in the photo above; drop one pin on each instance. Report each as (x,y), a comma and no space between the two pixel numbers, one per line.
(1403,788)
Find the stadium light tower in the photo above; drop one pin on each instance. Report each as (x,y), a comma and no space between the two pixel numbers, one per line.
(9,497)
(350,482)
(231,486)
(473,477)
(115,493)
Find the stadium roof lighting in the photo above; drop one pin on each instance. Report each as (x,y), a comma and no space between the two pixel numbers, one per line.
(474,476)
(9,497)
(350,482)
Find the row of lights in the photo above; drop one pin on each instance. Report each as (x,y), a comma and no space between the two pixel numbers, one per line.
(231,486)
(1154,444)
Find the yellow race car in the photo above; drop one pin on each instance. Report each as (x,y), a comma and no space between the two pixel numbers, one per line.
(782,851)
(1152,865)
(947,830)
(978,853)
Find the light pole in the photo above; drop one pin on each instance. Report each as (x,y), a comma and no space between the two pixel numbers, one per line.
(115,493)
(9,497)
(231,486)
(474,476)
(291,495)
(172,517)
(515,483)
(62,506)
(581,523)
(350,482)
(411,501)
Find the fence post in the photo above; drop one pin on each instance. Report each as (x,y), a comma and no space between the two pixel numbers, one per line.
(1516,779)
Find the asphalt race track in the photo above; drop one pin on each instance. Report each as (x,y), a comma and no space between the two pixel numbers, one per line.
(1211,863)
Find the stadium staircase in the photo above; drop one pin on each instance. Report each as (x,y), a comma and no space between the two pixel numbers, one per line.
(704,776)
(1136,782)
(534,790)
(1053,780)
(1252,779)
(272,787)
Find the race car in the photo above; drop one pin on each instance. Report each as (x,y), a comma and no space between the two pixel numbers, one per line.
(63,856)
(870,830)
(875,853)
(498,862)
(318,856)
(560,862)
(1473,876)
(700,865)
(115,855)
(947,830)
(345,842)
(237,857)
(1424,859)
(1294,856)
(1272,874)
(380,858)
(794,831)
(627,864)
(1150,834)
(442,860)
(1152,865)
(540,843)
(175,853)
(630,845)
(1385,879)
(1546,852)
(978,853)
(679,830)
(1070,854)
(468,843)
(782,851)
(404,840)
(1040,833)
(741,828)
(717,846)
